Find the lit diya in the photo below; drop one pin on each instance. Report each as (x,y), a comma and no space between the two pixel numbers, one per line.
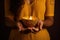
(29,22)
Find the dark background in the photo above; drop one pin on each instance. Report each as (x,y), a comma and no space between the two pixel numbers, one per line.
(54,31)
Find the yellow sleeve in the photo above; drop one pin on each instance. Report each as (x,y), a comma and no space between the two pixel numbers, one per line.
(50,7)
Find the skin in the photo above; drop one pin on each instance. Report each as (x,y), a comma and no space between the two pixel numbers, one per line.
(49,20)
(47,23)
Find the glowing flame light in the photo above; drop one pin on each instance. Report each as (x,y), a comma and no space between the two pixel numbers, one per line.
(30,18)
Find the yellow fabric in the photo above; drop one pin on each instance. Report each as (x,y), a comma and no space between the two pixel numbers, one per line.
(41,35)
(41,8)
(50,8)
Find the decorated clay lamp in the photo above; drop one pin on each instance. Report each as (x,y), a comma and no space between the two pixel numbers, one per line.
(29,22)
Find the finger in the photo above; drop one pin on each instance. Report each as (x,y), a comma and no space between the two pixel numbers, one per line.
(31,28)
(36,29)
(41,24)
(20,26)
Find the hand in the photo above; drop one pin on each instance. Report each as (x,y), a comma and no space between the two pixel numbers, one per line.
(39,27)
(20,26)
(40,23)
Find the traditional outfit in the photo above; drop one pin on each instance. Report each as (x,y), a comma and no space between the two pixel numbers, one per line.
(41,8)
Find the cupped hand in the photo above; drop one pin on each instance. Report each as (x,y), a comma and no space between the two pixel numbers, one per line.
(36,29)
(39,26)
(20,26)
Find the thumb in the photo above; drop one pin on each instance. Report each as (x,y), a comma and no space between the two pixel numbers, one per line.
(19,26)
(41,24)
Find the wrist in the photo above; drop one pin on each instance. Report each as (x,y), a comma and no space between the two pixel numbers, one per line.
(47,23)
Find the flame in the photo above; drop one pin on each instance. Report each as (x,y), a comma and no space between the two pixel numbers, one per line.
(30,18)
